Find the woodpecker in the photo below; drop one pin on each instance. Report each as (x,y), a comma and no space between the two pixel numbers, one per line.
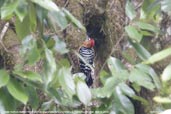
(87,53)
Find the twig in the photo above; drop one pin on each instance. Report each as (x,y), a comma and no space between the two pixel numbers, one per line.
(139,5)
(4,30)
(66,3)
(113,49)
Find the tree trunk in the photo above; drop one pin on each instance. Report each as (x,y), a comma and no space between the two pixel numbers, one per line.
(104,21)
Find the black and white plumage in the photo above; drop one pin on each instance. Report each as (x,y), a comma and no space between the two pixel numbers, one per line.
(88,55)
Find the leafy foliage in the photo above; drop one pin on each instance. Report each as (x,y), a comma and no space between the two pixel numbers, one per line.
(133,33)
(159,56)
(130,10)
(166,75)
(4,78)
(165,5)
(115,86)
(17,91)
(55,80)
(83,92)
(146,24)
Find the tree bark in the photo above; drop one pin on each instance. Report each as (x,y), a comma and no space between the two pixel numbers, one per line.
(104,21)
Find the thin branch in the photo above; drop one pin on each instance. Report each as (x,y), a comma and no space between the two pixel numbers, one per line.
(66,3)
(113,49)
(4,30)
(139,5)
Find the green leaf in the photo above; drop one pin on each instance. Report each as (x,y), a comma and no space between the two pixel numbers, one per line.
(103,76)
(50,42)
(147,26)
(25,24)
(4,78)
(29,75)
(22,28)
(33,55)
(133,33)
(21,11)
(141,78)
(117,78)
(41,14)
(47,105)
(149,9)
(122,103)
(17,91)
(128,57)
(141,99)
(83,93)
(110,83)
(2,3)
(130,10)
(58,18)
(146,6)
(150,71)
(47,4)
(115,65)
(49,67)
(2,108)
(146,33)
(140,50)
(166,6)
(98,93)
(164,100)
(60,46)
(32,17)
(74,20)
(166,75)
(8,8)
(136,87)
(53,92)
(126,90)
(64,62)
(66,81)
(33,97)
(121,76)
(29,50)
(79,76)
(158,56)
(7,101)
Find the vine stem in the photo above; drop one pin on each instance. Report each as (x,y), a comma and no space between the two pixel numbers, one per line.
(4,30)
(113,49)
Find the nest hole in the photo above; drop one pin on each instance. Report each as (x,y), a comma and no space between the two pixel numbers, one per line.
(94,25)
